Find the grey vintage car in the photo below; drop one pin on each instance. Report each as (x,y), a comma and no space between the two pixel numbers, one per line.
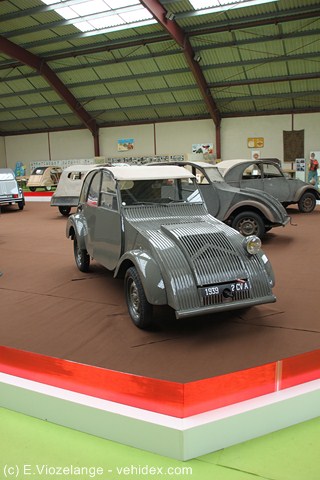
(68,189)
(10,192)
(249,211)
(266,175)
(149,225)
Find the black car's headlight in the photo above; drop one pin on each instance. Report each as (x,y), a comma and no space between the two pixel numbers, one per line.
(252,244)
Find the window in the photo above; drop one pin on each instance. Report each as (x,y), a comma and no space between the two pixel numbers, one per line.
(252,172)
(94,189)
(108,198)
(271,171)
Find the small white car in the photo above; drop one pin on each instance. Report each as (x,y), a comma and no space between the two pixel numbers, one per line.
(10,192)
(44,177)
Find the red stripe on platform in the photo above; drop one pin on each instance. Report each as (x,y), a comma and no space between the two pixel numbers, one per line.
(169,398)
(209,394)
(300,369)
(38,194)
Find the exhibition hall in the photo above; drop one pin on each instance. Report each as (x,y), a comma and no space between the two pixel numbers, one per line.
(159,209)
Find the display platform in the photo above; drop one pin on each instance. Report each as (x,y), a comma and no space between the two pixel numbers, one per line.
(70,353)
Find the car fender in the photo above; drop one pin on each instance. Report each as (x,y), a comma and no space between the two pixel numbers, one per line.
(149,272)
(76,226)
(303,189)
(258,207)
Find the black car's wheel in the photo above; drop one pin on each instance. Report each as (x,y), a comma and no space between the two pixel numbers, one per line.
(307,202)
(32,189)
(140,309)
(64,211)
(249,223)
(81,256)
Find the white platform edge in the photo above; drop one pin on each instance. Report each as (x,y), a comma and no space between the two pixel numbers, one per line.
(182,439)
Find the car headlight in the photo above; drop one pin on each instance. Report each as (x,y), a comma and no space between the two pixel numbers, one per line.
(252,244)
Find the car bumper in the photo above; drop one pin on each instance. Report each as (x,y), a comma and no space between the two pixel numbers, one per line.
(223,307)
(64,201)
(6,199)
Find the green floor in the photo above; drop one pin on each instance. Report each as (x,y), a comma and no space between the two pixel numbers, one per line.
(34,448)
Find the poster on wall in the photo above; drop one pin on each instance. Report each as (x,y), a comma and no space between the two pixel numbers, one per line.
(255,142)
(205,148)
(255,154)
(300,165)
(125,144)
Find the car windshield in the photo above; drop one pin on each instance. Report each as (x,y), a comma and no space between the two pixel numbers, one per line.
(39,171)
(6,176)
(213,174)
(164,191)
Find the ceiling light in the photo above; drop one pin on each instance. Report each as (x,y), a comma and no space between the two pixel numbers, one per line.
(211,6)
(170,16)
(94,17)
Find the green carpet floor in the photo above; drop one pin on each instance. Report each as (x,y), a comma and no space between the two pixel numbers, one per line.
(31,448)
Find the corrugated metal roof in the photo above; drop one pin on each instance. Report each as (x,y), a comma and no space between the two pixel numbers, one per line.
(259,59)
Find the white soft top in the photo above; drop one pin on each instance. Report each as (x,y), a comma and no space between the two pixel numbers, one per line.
(225,165)
(150,172)
(79,168)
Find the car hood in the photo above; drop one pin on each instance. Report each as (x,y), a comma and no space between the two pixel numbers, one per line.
(188,234)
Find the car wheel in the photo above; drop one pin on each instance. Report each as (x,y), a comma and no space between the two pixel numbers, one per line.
(81,256)
(307,202)
(64,211)
(48,188)
(21,205)
(140,310)
(249,223)
(32,189)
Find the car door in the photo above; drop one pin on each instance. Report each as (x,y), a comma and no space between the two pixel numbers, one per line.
(252,176)
(89,206)
(208,190)
(107,230)
(275,183)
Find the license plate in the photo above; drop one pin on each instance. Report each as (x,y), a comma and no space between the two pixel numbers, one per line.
(227,290)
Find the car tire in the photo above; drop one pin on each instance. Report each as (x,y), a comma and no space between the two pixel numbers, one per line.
(21,205)
(48,188)
(249,223)
(64,211)
(140,310)
(307,202)
(81,256)
(32,189)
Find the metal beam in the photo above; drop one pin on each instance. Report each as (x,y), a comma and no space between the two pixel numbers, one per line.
(176,32)
(38,64)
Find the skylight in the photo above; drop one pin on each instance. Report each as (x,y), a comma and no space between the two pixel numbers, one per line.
(210,6)
(102,16)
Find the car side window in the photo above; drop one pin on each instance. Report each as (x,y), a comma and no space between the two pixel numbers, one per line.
(108,196)
(94,189)
(252,171)
(271,171)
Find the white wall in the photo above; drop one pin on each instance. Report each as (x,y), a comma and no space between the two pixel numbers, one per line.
(73,144)
(236,131)
(3,156)
(178,137)
(310,123)
(26,149)
(163,139)
(143,136)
